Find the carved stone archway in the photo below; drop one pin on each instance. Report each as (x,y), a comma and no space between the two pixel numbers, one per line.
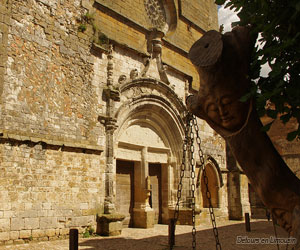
(150,131)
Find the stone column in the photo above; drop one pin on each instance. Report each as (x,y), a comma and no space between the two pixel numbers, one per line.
(110,223)
(111,95)
(143,214)
(110,185)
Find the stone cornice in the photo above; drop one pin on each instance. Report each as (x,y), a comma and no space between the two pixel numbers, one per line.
(50,140)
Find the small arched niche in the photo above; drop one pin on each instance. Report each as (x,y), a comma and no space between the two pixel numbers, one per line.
(213,186)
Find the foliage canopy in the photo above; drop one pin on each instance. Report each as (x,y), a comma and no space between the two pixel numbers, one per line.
(277,23)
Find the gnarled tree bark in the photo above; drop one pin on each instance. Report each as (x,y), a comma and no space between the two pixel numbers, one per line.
(223,64)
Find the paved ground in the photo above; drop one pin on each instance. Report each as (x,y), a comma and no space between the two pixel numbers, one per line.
(157,239)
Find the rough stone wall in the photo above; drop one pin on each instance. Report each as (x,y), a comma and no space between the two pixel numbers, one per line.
(48,90)
(51,163)
(200,13)
(46,189)
(4,21)
(132,32)
(51,86)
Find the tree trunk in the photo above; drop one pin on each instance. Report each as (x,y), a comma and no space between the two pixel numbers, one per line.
(223,64)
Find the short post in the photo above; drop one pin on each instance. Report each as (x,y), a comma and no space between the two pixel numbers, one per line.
(172,223)
(247,222)
(73,239)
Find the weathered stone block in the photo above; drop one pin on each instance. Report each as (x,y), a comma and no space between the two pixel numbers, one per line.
(81,221)
(55,237)
(48,222)
(46,205)
(17,224)
(37,233)
(5,206)
(50,232)
(9,214)
(143,219)
(19,241)
(110,224)
(24,234)
(84,205)
(89,212)
(32,223)
(4,225)
(9,242)
(42,213)
(29,214)
(13,235)
(64,231)
(4,236)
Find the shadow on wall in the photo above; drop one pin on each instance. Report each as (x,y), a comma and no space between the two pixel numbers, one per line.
(204,239)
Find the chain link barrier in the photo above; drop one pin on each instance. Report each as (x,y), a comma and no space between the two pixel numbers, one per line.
(193,186)
(188,154)
(183,165)
(205,178)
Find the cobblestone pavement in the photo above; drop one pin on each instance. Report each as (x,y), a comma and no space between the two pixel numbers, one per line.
(157,238)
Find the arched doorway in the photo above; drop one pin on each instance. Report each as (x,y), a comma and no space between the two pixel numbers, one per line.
(213,187)
(149,135)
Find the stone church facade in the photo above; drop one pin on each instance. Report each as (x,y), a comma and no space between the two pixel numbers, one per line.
(92,116)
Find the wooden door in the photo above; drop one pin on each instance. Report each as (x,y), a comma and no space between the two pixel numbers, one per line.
(125,190)
(156,193)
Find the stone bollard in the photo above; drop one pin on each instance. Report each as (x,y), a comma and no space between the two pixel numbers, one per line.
(247,222)
(172,224)
(73,239)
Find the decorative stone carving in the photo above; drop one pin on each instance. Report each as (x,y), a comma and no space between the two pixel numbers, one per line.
(147,61)
(110,66)
(112,91)
(156,13)
(134,74)
(122,79)
(223,64)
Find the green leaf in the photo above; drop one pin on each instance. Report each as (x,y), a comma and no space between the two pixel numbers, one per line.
(219,2)
(292,135)
(267,126)
(277,24)
(285,118)
(272,113)
(245,97)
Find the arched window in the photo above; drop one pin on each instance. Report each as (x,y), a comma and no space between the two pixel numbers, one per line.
(213,186)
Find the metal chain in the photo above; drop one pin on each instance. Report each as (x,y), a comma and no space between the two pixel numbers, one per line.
(208,194)
(193,187)
(182,167)
(189,141)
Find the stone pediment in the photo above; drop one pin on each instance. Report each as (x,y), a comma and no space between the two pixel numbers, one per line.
(152,88)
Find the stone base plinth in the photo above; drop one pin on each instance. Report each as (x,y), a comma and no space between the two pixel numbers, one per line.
(110,224)
(185,216)
(143,218)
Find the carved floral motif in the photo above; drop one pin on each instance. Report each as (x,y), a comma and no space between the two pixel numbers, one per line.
(156,13)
